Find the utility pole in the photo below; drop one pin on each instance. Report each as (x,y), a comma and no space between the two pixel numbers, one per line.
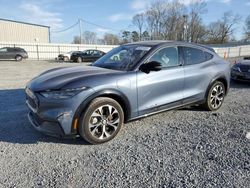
(185,27)
(80,29)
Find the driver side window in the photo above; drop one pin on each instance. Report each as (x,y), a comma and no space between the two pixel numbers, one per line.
(168,57)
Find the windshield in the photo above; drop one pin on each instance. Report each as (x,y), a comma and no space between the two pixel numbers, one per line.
(123,57)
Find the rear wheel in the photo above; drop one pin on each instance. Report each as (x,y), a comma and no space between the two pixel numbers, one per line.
(215,96)
(79,60)
(18,58)
(102,120)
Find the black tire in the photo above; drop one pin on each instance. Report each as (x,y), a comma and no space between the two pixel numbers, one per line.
(79,60)
(65,58)
(215,98)
(18,58)
(91,117)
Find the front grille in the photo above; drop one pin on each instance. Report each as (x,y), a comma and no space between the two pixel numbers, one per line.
(31,100)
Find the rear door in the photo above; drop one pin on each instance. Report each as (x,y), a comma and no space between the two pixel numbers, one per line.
(96,55)
(11,53)
(87,56)
(162,89)
(198,70)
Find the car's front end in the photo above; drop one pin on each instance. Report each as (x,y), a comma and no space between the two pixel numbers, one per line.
(74,56)
(65,56)
(57,97)
(241,71)
(53,112)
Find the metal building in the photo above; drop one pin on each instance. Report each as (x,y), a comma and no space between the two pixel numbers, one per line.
(16,31)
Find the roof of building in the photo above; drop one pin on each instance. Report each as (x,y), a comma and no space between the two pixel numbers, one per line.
(7,20)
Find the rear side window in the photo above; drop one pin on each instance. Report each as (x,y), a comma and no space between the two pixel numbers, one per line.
(193,56)
(11,50)
(208,56)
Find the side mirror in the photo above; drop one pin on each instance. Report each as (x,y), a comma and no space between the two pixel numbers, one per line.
(150,66)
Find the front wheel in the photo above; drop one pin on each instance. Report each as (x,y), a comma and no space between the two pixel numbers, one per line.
(102,120)
(215,96)
(19,58)
(79,60)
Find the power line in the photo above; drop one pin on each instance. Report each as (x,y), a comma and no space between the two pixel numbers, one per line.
(88,22)
(70,27)
(101,26)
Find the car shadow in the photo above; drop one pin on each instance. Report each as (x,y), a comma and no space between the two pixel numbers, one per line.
(14,125)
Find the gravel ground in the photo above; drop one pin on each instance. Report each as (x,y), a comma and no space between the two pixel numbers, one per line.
(180,148)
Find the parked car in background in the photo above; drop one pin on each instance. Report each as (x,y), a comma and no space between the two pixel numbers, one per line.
(86,56)
(66,56)
(129,82)
(13,53)
(241,70)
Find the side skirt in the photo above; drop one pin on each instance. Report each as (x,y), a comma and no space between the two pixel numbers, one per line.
(166,109)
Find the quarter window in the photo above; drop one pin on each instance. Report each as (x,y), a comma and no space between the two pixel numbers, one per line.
(193,56)
(208,56)
(168,57)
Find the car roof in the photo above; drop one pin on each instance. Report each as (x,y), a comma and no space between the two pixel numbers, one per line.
(156,43)
(12,47)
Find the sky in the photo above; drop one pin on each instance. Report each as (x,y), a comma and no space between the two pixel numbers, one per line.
(108,15)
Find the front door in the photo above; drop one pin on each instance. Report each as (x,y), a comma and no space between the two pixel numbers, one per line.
(162,89)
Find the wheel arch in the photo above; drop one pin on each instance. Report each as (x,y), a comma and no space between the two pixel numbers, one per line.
(221,79)
(18,55)
(110,93)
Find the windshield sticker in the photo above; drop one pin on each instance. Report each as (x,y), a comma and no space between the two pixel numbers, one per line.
(143,48)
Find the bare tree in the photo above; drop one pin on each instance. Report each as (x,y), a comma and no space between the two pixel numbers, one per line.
(221,30)
(173,24)
(247,29)
(155,16)
(111,39)
(196,29)
(164,20)
(90,37)
(76,40)
(139,21)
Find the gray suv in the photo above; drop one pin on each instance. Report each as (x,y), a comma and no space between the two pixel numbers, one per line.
(13,53)
(131,81)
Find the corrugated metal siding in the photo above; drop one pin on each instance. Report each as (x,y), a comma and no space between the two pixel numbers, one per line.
(21,32)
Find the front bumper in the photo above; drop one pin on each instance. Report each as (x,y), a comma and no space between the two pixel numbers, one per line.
(47,127)
(241,76)
(54,117)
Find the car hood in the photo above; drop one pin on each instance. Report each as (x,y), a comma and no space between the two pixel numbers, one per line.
(245,62)
(55,79)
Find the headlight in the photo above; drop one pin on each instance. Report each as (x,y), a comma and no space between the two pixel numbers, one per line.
(62,94)
(236,68)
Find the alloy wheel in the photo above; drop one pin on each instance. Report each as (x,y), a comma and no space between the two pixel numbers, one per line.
(217,96)
(104,121)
